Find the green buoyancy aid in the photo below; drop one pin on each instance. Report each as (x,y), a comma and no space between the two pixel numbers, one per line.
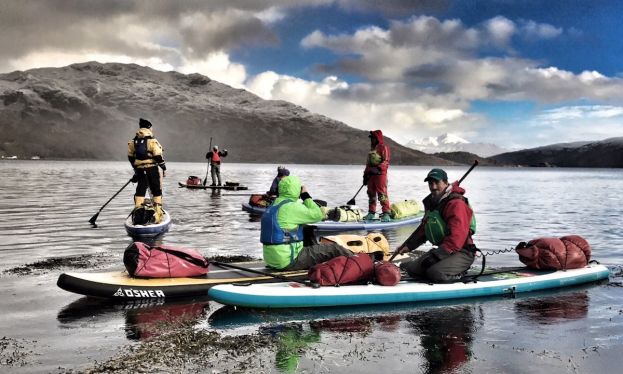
(435,226)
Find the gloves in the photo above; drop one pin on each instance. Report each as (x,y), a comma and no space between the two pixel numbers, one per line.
(366,177)
(209,155)
(375,170)
(434,256)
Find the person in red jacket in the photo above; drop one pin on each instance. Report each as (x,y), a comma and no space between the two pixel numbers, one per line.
(449,225)
(375,176)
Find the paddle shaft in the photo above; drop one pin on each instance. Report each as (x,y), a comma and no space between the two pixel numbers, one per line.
(459,182)
(94,218)
(205,180)
(276,276)
(352,201)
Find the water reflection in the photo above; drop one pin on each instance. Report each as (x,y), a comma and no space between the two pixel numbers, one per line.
(555,309)
(292,340)
(144,319)
(446,337)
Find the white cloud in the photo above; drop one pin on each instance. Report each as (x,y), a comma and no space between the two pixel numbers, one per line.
(501,30)
(533,29)
(217,66)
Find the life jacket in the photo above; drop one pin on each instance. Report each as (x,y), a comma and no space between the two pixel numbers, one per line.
(435,226)
(272,233)
(141,148)
(216,159)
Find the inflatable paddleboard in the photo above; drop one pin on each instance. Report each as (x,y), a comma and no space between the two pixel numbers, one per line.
(121,286)
(150,230)
(258,210)
(202,187)
(296,295)
(367,225)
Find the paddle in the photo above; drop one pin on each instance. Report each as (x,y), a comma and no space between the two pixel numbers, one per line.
(352,201)
(459,182)
(205,180)
(276,276)
(94,218)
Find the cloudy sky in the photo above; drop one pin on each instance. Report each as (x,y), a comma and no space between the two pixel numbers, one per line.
(517,73)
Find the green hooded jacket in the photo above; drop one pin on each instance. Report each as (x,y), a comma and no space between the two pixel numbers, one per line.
(289,217)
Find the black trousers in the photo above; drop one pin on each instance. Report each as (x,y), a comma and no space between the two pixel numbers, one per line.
(148,177)
(315,254)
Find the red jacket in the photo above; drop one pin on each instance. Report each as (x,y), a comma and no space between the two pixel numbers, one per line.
(458,216)
(382,150)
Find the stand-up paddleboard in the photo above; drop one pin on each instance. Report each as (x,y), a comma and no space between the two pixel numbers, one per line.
(258,210)
(150,230)
(296,295)
(367,225)
(120,285)
(223,187)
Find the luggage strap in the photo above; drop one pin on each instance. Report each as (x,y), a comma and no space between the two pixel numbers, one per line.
(186,257)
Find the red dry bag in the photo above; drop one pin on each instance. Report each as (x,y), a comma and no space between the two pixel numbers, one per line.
(386,273)
(567,252)
(341,270)
(142,260)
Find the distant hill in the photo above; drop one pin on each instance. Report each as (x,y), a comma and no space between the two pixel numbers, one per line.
(606,153)
(466,158)
(91,110)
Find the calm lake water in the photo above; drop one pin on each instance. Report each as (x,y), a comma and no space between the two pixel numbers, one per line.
(45,207)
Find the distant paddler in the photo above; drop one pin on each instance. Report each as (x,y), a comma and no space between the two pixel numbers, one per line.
(375,176)
(215,164)
(145,156)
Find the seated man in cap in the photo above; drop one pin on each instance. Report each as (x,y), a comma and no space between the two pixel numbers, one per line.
(145,155)
(449,224)
(274,187)
(215,164)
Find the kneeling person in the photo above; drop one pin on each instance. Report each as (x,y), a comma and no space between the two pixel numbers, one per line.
(449,224)
(282,230)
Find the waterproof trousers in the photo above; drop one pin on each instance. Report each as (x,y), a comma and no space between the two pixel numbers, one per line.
(149,177)
(377,186)
(448,270)
(215,173)
(315,254)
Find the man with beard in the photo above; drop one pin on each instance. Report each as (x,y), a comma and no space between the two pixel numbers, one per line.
(448,224)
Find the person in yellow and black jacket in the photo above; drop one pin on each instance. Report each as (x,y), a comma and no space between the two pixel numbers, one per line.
(145,155)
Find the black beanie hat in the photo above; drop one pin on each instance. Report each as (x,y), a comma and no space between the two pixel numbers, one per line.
(143,123)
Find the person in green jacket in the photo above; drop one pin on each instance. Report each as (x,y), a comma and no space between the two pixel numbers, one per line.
(282,230)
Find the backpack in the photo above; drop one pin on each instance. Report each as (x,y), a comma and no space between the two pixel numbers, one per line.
(193,180)
(142,260)
(345,213)
(143,215)
(341,270)
(404,209)
(140,147)
(373,243)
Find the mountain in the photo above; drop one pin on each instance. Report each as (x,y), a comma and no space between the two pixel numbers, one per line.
(606,153)
(91,110)
(448,143)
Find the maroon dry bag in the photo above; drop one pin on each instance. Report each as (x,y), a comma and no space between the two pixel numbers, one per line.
(142,260)
(341,270)
(386,273)
(567,252)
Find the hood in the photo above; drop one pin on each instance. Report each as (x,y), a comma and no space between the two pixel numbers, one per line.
(455,188)
(378,134)
(143,133)
(289,188)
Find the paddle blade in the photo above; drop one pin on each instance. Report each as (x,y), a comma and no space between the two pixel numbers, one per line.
(94,218)
(350,202)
